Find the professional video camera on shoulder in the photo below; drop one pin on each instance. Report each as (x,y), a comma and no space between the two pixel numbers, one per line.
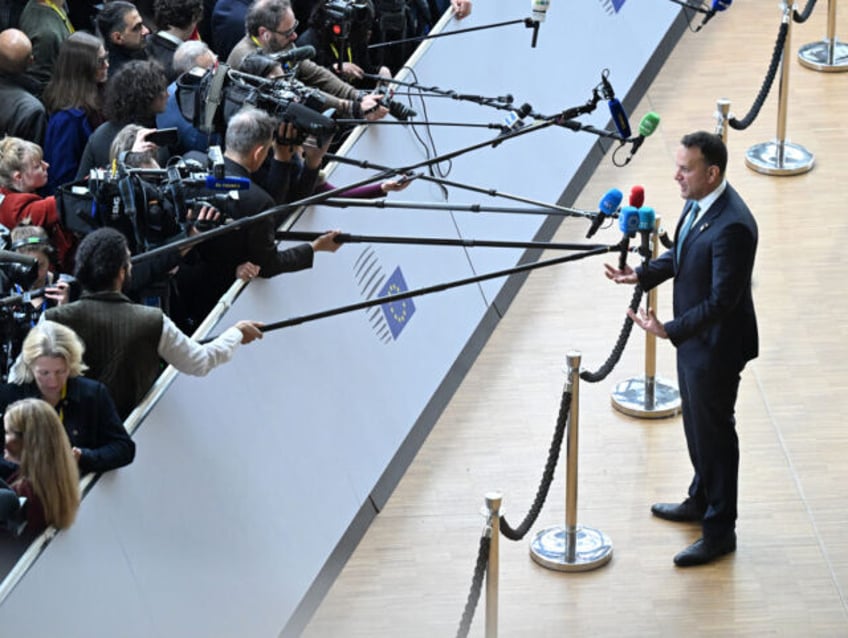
(148,205)
(208,98)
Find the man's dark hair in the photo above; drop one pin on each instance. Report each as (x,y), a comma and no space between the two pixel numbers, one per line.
(265,13)
(177,13)
(112,18)
(712,148)
(131,92)
(99,259)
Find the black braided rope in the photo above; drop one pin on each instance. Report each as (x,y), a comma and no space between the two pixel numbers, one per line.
(741,125)
(618,350)
(547,476)
(476,587)
(808,10)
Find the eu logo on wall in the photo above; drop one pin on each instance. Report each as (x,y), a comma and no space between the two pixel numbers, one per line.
(389,319)
(397,313)
(612,6)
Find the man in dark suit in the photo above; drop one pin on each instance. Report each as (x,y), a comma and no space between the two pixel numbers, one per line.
(715,332)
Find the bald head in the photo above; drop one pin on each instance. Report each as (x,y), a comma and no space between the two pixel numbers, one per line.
(15,51)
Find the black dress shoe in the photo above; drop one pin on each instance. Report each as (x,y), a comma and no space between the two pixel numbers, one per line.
(702,552)
(685,512)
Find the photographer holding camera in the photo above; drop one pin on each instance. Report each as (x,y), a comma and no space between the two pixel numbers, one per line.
(252,250)
(272,29)
(340,31)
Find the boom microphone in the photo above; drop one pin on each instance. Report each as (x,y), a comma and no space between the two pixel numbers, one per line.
(717,5)
(606,208)
(647,126)
(294,55)
(540,9)
(619,118)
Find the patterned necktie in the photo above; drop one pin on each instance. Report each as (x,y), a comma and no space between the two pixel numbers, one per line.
(687,225)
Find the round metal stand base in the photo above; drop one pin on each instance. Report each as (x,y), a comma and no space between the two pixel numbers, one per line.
(824,56)
(779,158)
(592,549)
(632,396)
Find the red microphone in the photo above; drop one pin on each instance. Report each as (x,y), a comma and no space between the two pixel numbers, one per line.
(637,196)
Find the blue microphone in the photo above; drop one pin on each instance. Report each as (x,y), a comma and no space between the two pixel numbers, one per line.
(606,208)
(619,118)
(715,7)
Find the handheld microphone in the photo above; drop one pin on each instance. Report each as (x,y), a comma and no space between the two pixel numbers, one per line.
(717,5)
(648,124)
(637,196)
(606,208)
(514,120)
(295,54)
(540,9)
(628,223)
(617,112)
(647,221)
(619,118)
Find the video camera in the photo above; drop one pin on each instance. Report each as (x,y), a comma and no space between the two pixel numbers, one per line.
(149,206)
(338,17)
(208,98)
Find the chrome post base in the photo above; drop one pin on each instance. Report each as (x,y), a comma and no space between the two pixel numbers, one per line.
(825,55)
(580,551)
(646,398)
(779,158)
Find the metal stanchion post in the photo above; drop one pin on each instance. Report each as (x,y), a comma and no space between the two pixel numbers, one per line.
(829,54)
(572,548)
(493,505)
(648,397)
(780,157)
(722,118)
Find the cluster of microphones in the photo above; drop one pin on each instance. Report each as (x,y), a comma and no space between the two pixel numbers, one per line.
(632,219)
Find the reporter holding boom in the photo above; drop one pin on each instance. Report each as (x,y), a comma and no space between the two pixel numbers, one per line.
(123,340)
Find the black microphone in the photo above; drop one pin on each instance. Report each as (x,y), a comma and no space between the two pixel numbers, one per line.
(606,208)
(295,54)
(717,5)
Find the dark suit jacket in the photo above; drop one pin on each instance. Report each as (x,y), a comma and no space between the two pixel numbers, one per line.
(90,419)
(714,321)
(228,25)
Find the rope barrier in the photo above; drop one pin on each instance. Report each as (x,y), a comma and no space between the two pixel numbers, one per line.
(745,122)
(618,349)
(476,587)
(802,17)
(547,477)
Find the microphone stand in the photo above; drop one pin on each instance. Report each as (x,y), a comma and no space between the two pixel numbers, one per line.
(345,238)
(527,22)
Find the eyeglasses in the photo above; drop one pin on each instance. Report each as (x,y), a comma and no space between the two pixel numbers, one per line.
(289,33)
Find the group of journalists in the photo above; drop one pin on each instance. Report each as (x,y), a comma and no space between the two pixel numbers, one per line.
(109,151)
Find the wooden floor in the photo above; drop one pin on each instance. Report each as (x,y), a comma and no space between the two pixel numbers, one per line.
(411,573)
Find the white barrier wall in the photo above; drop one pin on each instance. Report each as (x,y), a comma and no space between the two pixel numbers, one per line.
(251,486)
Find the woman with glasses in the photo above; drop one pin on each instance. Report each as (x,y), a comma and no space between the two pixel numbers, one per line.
(74,100)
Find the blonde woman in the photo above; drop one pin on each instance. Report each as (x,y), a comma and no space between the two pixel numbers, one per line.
(49,368)
(23,171)
(47,474)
